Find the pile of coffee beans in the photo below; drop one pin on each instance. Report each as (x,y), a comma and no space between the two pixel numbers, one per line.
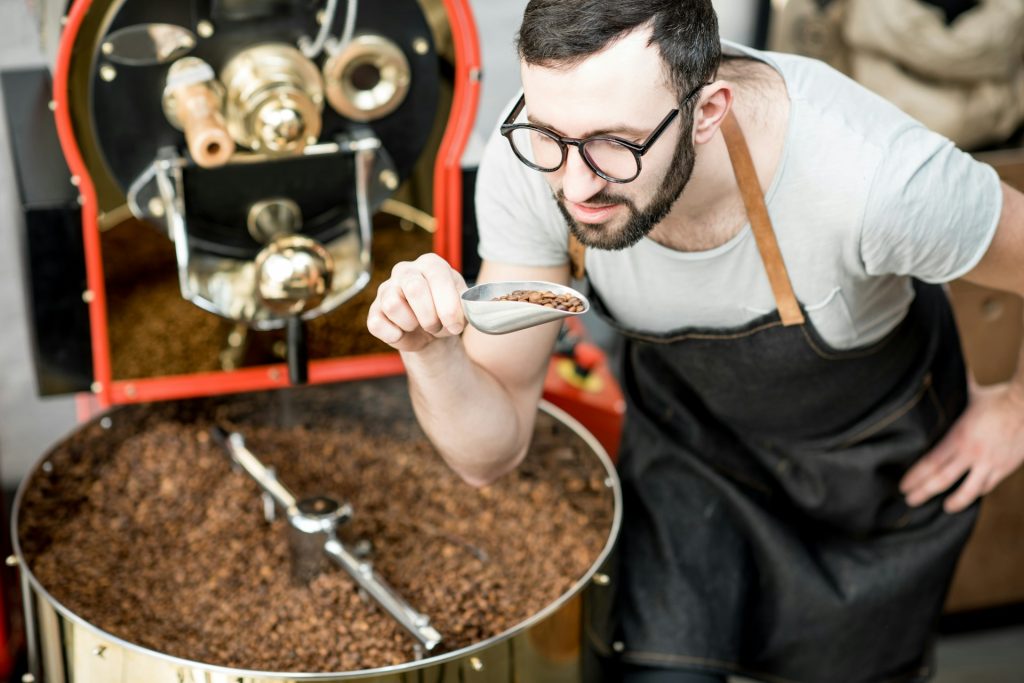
(547,299)
(140,526)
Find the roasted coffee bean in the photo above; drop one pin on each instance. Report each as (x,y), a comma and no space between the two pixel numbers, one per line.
(548,299)
(146,531)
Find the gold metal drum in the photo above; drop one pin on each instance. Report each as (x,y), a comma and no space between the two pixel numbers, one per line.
(547,647)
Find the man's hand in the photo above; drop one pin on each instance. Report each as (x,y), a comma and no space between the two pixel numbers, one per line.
(986,444)
(419,304)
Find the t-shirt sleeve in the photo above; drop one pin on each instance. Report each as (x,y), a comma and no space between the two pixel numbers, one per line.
(517,219)
(932,210)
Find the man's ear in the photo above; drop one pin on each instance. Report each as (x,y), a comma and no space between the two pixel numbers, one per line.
(714,103)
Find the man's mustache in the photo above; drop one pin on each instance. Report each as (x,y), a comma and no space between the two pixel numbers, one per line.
(603,197)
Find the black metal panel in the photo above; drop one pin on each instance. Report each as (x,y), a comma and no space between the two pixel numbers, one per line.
(214,196)
(470,236)
(51,242)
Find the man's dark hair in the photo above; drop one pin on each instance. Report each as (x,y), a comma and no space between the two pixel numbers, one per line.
(558,33)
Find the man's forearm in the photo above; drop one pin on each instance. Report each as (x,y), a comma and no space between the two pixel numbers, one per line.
(469,416)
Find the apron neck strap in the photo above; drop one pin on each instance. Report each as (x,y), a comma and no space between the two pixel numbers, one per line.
(760,223)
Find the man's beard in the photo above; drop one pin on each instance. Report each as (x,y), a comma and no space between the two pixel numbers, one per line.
(639,222)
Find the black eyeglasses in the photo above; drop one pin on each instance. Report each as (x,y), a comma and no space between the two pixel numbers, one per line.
(614,159)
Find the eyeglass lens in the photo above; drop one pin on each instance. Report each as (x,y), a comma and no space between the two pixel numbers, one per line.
(545,152)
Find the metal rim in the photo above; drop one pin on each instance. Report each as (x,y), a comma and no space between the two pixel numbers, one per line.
(544,406)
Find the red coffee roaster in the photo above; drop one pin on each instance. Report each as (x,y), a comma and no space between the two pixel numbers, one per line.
(233,158)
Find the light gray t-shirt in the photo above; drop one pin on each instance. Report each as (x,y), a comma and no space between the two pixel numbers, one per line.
(863,198)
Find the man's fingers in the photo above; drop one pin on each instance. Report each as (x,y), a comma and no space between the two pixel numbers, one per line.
(420,298)
(929,464)
(419,295)
(444,292)
(940,480)
(381,327)
(975,485)
(395,307)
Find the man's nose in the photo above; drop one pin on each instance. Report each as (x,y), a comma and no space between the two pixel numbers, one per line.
(579,182)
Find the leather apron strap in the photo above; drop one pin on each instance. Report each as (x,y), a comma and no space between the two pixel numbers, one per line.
(760,224)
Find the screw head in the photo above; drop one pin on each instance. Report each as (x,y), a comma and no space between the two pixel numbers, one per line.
(155,206)
(389,179)
(108,72)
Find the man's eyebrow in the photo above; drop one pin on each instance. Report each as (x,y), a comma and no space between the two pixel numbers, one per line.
(618,130)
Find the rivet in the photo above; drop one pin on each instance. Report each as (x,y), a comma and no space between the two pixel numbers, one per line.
(96,387)
(389,179)
(108,48)
(108,72)
(28,678)
(106,422)
(11,561)
(320,16)
(47,467)
(475,75)
(311,140)
(476,664)
(64,20)
(274,374)
(602,579)
(88,296)
(421,46)
(204,29)
(81,200)
(608,483)
(75,180)
(155,207)
(52,105)
(130,391)
(618,646)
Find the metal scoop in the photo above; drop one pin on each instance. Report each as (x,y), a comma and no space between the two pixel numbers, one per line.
(501,317)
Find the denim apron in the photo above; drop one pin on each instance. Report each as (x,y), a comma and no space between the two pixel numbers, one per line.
(764,533)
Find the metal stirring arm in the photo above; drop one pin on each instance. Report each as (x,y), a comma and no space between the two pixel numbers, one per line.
(362,572)
(234,443)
